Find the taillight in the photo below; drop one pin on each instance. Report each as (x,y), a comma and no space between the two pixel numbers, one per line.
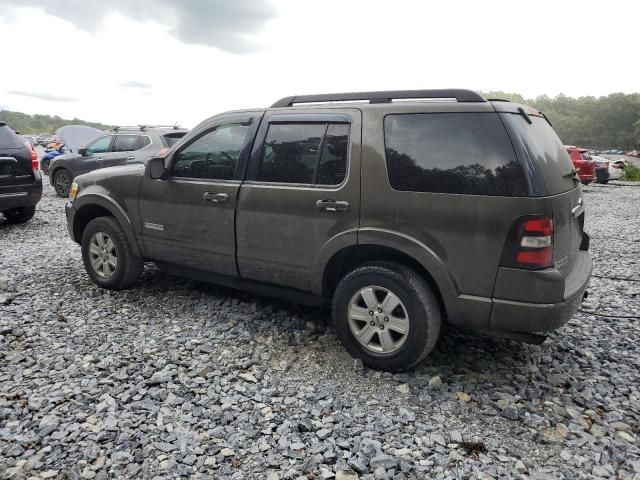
(34,158)
(529,244)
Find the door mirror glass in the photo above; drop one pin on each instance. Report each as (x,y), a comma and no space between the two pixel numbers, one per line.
(156,168)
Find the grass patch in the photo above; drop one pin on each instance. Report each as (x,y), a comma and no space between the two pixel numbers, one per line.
(631,172)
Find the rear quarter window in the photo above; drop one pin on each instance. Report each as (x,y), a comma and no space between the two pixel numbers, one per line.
(463,153)
(543,150)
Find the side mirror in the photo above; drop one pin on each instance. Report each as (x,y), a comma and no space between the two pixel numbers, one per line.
(83,151)
(156,168)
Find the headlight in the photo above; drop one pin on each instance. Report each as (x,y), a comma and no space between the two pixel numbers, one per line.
(73,191)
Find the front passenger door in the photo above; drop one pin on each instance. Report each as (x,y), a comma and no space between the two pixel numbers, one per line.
(188,218)
(94,156)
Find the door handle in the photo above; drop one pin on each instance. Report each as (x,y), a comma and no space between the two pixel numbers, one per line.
(215,197)
(332,205)
(99,159)
(132,157)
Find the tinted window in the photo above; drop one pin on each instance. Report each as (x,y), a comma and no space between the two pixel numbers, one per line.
(101,145)
(543,149)
(9,139)
(333,160)
(126,143)
(173,138)
(290,153)
(467,153)
(144,141)
(214,155)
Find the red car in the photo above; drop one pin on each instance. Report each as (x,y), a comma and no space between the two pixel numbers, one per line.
(583,162)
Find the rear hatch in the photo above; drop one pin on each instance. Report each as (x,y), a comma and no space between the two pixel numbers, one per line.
(15,159)
(551,174)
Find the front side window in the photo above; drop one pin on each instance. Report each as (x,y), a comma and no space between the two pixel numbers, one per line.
(314,153)
(126,143)
(100,145)
(213,155)
(465,153)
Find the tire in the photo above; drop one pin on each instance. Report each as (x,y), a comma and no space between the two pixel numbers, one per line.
(127,267)
(62,182)
(20,215)
(418,311)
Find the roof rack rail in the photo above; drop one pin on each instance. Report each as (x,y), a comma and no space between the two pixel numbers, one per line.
(381,97)
(142,128)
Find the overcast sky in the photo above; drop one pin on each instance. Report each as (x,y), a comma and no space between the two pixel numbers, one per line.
(167,61)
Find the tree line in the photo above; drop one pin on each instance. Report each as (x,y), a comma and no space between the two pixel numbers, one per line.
(594,122)
(35,124)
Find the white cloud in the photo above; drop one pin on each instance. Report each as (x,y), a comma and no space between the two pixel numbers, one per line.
(312,47)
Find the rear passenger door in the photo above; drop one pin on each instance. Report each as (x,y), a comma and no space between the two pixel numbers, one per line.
(302,190)
(123,149)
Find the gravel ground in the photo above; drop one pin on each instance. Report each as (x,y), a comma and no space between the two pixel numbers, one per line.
(178,378)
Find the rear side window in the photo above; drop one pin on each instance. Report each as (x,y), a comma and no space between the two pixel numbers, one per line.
(543,150)
(9,139)
(464,153)
(313,154)
(173,138)
(126,143)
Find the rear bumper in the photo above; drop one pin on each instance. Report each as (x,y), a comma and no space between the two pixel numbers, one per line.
(16,196)
(519,316)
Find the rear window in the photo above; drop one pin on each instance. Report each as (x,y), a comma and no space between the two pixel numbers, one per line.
(9,139)
(464,153)
(544,151)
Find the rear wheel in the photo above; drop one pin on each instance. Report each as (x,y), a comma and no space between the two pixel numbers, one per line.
(387,315)
(107,255)
(62,182)
(20,215)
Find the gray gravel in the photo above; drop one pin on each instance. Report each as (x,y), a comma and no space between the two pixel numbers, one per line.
(178,378)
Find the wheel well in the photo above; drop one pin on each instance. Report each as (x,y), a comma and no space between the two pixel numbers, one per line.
(84,216)
(348,259)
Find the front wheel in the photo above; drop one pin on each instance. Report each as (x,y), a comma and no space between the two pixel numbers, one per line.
(62,183)
(19,215)
(107,255)
(387,315)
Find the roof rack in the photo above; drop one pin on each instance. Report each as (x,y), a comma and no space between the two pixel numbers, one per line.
(381,97)
(142,128)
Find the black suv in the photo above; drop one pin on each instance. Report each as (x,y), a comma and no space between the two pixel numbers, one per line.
(20,180)
(400,213)
(119,146)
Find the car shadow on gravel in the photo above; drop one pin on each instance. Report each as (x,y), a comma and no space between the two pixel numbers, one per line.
(458,351)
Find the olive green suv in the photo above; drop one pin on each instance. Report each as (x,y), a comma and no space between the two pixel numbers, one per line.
(402,209)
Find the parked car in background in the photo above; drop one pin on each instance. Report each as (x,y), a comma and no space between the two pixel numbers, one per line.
(119,146)
(20,179)
(583,163)
(72,138)
(614,167)
(463,210)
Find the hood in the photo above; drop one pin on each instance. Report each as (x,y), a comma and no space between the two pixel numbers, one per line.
(77,136)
